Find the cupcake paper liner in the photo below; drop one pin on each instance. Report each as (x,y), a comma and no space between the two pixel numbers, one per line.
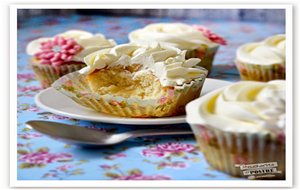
(47,74)
(230,152)
(206,55)
(262,73)
(75,86)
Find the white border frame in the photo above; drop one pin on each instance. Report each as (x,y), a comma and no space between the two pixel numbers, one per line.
(145,183)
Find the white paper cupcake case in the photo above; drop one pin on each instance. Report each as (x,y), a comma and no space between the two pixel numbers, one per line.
(74,86)
(226,151)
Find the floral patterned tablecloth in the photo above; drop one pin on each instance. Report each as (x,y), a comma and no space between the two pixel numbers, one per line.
(154,158)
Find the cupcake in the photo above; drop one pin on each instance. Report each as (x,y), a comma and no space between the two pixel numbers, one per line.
(53,57)
(241,128)
(133,81)
(199,41)
(262,61)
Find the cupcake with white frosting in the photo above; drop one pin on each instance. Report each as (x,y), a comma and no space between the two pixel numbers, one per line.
(242,124)
(134,81)
(53,57)
(262,61)
(199,41)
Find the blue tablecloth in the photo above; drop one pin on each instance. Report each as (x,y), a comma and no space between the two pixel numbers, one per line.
(171,158)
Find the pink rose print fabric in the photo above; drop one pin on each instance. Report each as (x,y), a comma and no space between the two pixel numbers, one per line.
(40,157)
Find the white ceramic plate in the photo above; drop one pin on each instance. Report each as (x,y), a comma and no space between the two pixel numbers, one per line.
(55,102)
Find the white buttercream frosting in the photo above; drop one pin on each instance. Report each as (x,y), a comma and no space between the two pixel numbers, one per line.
(167,63)
(270,51)
(246,106)
(180,35)
(89,43)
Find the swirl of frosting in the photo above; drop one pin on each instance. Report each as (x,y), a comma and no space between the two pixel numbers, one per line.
(246,106)
(270,51)
(109,57)
(179,35)
(87,41)
(167,63)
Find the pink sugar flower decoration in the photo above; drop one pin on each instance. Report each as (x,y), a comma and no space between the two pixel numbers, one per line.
(57,51)
(210,35)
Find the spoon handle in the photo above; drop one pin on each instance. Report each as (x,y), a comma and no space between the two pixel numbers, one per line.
(159,131)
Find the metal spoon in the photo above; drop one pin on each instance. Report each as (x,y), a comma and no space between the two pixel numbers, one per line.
(91,137)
